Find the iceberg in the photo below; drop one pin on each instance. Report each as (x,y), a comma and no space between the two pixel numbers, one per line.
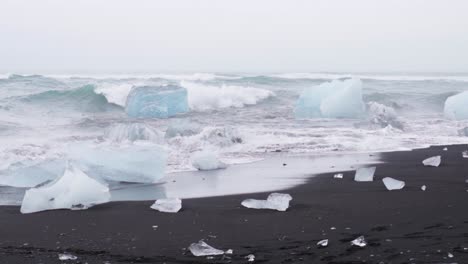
(156,101)
(206,160)
(74,190)
(168,205)
(275,201)
(133,132)
(203,249)
(392,184)
(432,161)
(182,128)
(126,163)
(365,174)
(335,99)
(455,106)
(360,242)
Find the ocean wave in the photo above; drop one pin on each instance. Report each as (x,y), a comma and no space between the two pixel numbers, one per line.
(383,77)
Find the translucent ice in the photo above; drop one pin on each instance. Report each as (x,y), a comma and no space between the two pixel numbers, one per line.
(250,257)
(432,161)
(66,256)
(392,184)
(455,106)
(360,242)
(335,99)
(365,174)
(182,128)
(275,201)
(133,132)
(126,163)
(423,187)
(74,190)
(207,160)
(203,249)
(465,154)
(156,101)
(169,205)
(323,243)
(383,115)
(338,176)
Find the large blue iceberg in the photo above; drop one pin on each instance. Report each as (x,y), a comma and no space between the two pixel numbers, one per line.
(156,101)
(456,106)
(335,99)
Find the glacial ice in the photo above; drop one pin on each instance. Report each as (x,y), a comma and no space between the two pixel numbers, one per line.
(275,201)
(322,243)
(432,161)
(125,163)
(223,136)
(463,132)
(338,176)
(67,256)
(203,249)
(423,187)
(182,128)
(393,184)
(465,154)
(74,190)
(455,106)
(250,257)
(335,99)
(207,160)
(133,132)
(168,205)
(365,174)
(383,115)
(360,242)
(156,101)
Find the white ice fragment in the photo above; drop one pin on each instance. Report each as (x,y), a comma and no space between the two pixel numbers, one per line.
(275,201)
(203,249)
(465,154)
(168,205)
(250,257)
(66,256)
(393,184)
(338,176)
(322,243)
(432,161)
(74,190)
(206,160)
(423,187)
(229,252)
(450,255)
(365,174)
(445,149)
(360,242)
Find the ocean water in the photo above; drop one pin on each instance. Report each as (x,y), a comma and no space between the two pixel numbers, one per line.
(242,117)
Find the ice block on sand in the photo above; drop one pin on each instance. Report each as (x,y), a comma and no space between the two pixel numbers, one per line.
(432,161)
(203,249)
(169,205)
(360,242)
(275,201)
(365,174)
(392,184)
(206,160)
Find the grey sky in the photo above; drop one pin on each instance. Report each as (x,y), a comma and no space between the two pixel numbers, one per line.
(116,36)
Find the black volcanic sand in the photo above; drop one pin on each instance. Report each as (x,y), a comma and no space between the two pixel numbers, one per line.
(406,226)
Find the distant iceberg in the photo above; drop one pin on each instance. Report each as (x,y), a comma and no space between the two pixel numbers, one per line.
(156,101)
(74,190)
(335,99)
(456,106)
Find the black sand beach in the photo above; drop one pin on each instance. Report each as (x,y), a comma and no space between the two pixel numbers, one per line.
(406,226)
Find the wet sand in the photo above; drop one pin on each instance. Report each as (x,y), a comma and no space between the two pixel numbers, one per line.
(406,226)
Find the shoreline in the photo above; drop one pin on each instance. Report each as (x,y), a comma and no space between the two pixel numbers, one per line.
(406,226)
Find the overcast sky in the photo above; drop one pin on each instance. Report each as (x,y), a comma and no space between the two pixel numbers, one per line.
(144,36)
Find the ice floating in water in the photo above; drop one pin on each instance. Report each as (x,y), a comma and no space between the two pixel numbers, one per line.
(432,161)
(275,201)
(126,163)
(169,205)
(465,154)
(203,249)
(455,106)
(156,101)
(133,132)
(74,190)
(223,136)
(323,243)
(335,99)
(383,115)
(393,184)
(463,132)
(423,187)
(250,257)
(360,242)
(66,256)
(206,160)
(182,128)
(365,174)
(338,176)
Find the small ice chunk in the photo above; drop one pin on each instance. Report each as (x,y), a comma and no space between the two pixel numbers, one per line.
(360,242)
(203,249)
(206,160)
(423,187)
(463,132)
(338,176)
(275,201)
(465,154)
(250,257)
(323,243)
(450,255)
(455,106)
(445,149)
(168,205)
(66,256)
(365,174)
(74,190)
(393,184)
(229,252)
(432,161)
